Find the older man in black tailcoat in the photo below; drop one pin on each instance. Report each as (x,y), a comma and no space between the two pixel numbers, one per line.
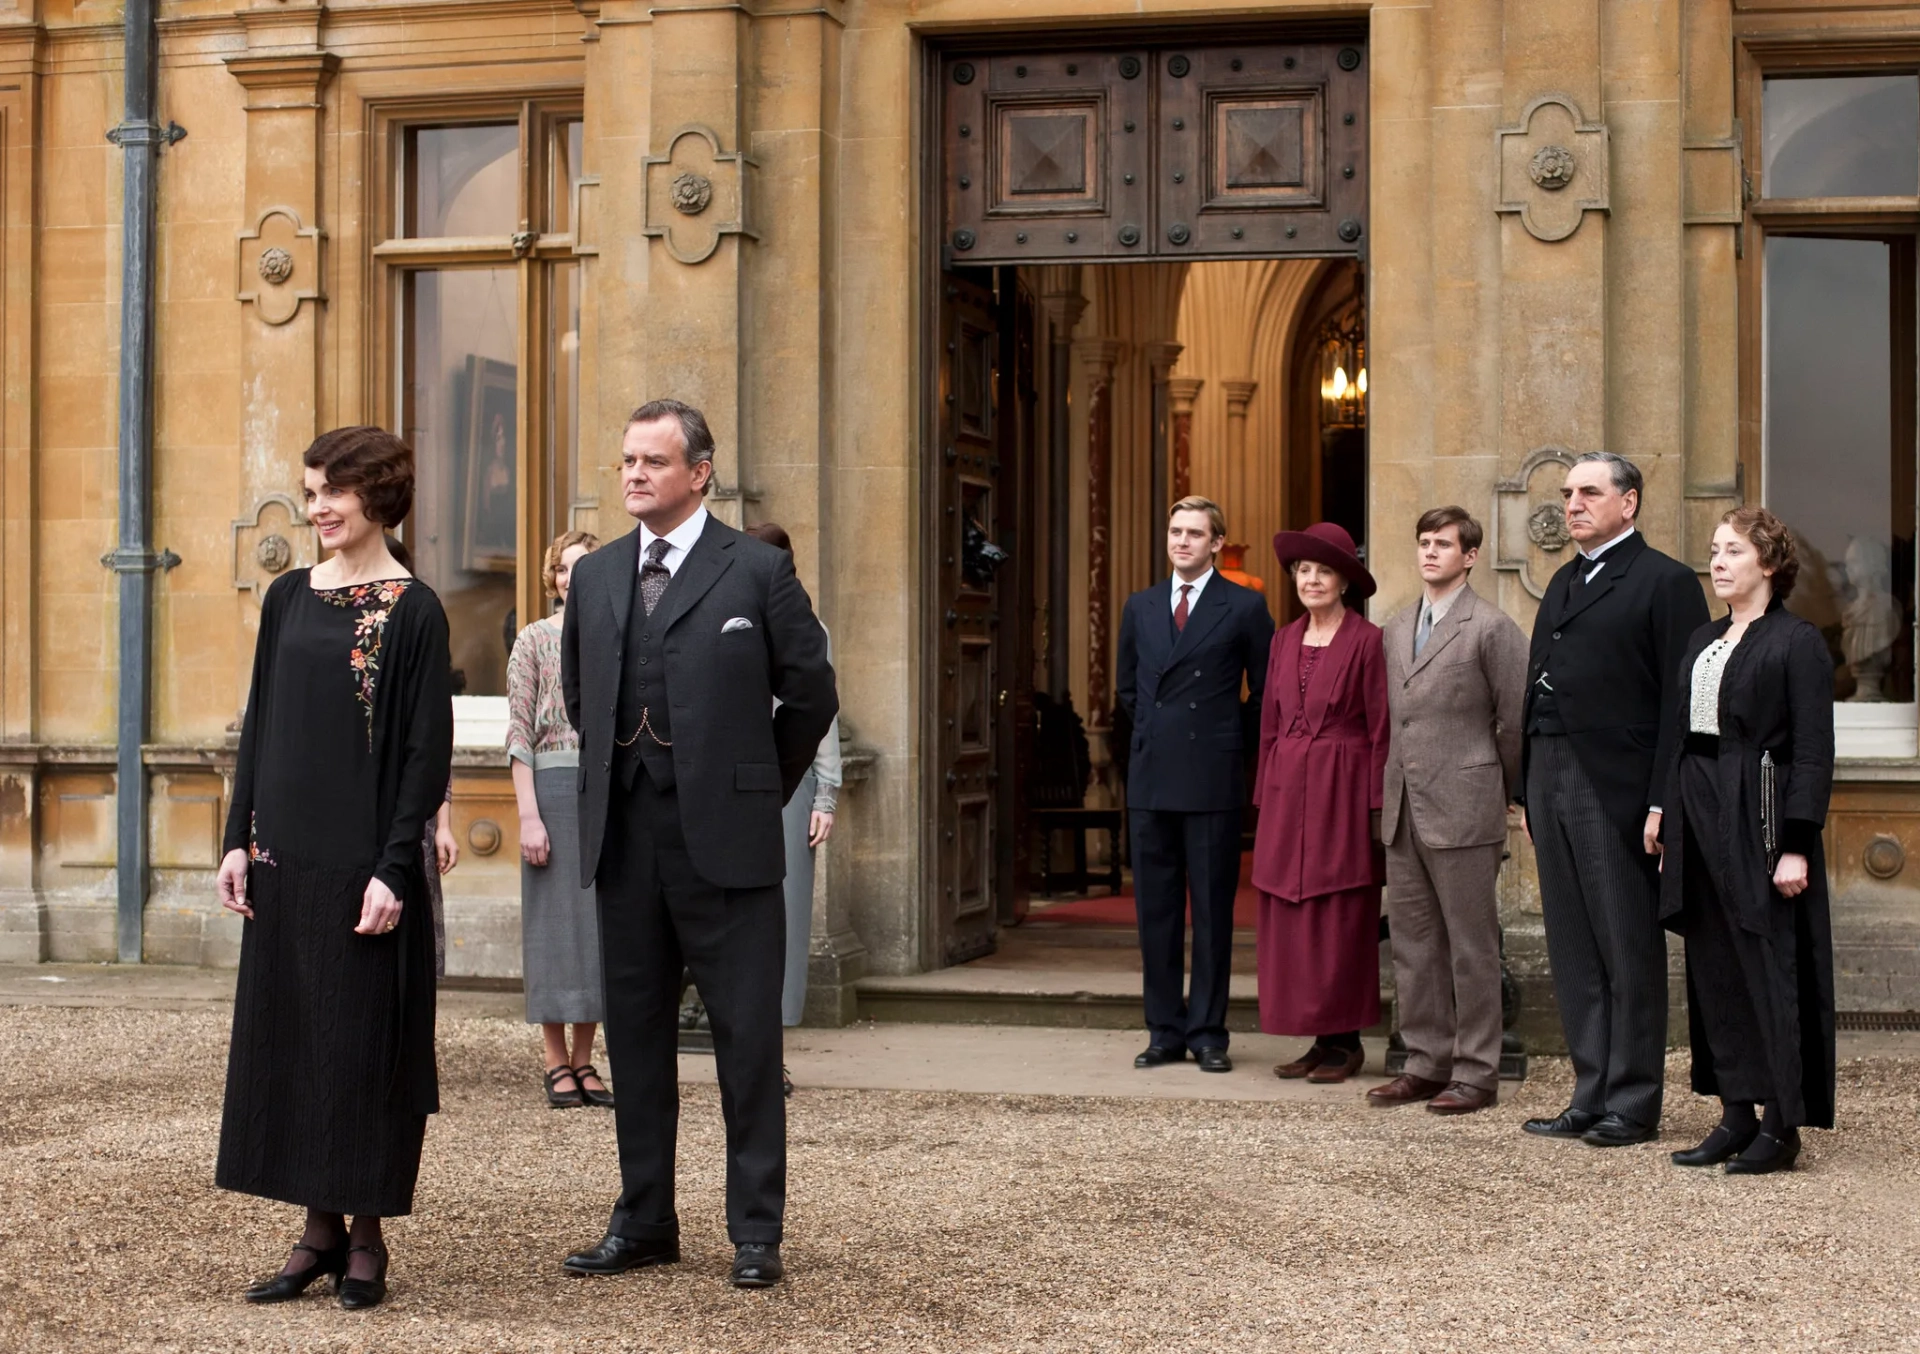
(1601,728)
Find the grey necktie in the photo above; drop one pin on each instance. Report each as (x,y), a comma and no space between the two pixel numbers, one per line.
(1424,630)
(653,574)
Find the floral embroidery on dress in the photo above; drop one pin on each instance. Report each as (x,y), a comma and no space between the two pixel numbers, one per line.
(255,851)
(375,602)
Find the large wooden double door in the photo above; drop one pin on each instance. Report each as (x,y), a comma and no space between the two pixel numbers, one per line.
(1076,154)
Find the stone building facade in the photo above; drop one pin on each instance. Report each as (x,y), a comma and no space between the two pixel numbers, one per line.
(1678,229)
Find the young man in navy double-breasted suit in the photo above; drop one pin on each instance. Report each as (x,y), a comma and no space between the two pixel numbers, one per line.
(1187,645)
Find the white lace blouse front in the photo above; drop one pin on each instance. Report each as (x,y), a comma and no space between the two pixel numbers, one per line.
(1708,669)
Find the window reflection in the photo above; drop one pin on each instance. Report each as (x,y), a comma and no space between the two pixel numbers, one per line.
(459,411)
(1839,448)
(1841,136)
(462,180)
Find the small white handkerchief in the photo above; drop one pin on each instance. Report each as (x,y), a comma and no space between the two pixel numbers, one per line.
(737,623)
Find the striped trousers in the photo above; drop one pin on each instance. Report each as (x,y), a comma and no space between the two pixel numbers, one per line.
(1599,896)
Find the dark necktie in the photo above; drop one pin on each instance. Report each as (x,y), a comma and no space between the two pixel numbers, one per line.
(1180,612)
(653,574)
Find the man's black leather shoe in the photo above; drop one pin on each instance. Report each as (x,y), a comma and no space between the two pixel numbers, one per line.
(1617,1130)
(1569,1123)
(1155,1056)
(1213,1060)
(756,1264)
(618,1254)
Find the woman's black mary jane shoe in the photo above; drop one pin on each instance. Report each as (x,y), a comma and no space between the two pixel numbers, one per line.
(601,1098)
(563,1100)
(283,1287)
(359,1294)
(1718,1146)
(1767,1155)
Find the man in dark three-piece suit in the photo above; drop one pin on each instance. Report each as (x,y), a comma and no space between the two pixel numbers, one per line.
(1601,724)
(1186,645)
(677,641)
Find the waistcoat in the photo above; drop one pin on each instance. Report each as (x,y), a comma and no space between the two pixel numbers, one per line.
(643,690)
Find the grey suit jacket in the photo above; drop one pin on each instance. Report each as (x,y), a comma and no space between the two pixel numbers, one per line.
(1456,723)
(736,759)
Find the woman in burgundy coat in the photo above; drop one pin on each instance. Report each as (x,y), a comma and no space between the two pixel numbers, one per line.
(1316,856)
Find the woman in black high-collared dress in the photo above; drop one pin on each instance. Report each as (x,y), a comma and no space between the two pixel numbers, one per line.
(343,760)
(1743,875)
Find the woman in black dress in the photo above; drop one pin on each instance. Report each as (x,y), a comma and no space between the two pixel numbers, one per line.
(344,758)
(1743,876)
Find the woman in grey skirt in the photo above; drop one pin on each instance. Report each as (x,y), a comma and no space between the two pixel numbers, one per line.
(808,819)
(559,926)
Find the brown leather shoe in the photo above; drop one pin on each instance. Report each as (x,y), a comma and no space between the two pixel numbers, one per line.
(1460,1098)
(1338,1065)
(1303,1064)
(1404,1089)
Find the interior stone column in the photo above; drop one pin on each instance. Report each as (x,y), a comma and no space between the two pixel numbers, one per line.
(1182,391)
(1098,356)
(1063,310)
(1239,396)
(1161,354)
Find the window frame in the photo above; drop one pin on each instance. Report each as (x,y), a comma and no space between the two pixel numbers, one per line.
(392,257)
(1863,732)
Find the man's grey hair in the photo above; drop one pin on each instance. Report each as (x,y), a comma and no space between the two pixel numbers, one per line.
(694,433)
(1624,474)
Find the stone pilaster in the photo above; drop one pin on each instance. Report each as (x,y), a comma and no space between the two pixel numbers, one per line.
(1239,396)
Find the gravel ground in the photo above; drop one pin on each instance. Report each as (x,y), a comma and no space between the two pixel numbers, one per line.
(938,1221)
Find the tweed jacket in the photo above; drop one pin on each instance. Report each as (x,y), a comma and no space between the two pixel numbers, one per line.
(1456,726)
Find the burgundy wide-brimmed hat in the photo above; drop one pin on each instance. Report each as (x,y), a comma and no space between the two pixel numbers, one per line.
(1326,543)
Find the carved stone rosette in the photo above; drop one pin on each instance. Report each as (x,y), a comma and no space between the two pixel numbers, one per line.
(279,265)
(271,539)
(696,194)
(1553,167)
(1529,524)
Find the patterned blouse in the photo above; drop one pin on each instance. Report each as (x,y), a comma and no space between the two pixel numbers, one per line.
(536,711)
(1310,656)
(1703,705)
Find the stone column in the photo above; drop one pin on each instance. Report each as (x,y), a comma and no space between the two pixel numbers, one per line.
(1161,354)
(697,189)
(1182,391)
(281,285)
(836,956)
(1239,396)
(1098,356)
(1063,310)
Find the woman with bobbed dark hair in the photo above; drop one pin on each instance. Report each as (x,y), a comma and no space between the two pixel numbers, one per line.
(343,761)
(1742,873)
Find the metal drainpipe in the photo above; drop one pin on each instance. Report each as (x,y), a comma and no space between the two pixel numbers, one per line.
(139,138)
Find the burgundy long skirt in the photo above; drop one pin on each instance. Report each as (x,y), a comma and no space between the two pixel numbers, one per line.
(1319,962)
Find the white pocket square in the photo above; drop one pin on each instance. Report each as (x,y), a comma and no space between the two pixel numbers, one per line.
(737,623)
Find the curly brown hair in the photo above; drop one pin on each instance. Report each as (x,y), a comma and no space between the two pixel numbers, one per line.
(565,541)
(371,462)
(1772,540)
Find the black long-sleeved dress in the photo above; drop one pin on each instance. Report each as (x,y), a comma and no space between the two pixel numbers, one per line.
(1759,965)
(344,756)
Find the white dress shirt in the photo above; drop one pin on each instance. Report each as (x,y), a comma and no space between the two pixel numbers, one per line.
(1593,559)
(679,541)
(1193,597)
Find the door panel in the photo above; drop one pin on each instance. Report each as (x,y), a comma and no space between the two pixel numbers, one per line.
(1183,151)
(965,475)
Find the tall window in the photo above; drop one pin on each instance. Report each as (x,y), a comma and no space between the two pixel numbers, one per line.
(481,325)
(1838,210)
